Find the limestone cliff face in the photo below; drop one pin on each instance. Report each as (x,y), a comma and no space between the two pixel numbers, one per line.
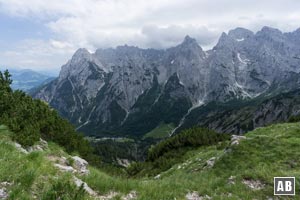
(114,89)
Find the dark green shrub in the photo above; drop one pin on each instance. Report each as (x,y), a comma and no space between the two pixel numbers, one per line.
(64,190)
(295,118)
(167,153)
(31,119)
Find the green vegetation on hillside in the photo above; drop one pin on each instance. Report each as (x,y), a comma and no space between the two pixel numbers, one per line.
(30,119)
(196,160)
(161,131)
(243,115)
(168,152)
(32,176)
(265,153)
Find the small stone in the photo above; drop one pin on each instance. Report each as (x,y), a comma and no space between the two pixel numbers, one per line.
(123,162)
(192,196)
(65,168)
(157,176)
(3,193)
(231,180)
(5,184)
(108,196)
(254,184)
(211,162)
(195,196)
(131,195)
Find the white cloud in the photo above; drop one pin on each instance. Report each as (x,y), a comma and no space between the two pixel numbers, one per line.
(37,54)
(156,23)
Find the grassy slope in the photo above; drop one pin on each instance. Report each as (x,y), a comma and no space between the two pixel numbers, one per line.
(161,131)
(267,152)
(32,176)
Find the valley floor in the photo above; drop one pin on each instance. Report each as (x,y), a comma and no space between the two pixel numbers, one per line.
(241,169)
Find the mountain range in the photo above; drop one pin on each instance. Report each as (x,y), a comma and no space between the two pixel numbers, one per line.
(27,79)
(130,91)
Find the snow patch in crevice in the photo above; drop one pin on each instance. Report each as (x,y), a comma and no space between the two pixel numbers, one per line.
(198,104)
(180,82)
(268,83)
(243,61)
(125,118)
(88,119)
(158,97)
(241,88)
(240,39)
(74,99)
(245,94)
(206,54)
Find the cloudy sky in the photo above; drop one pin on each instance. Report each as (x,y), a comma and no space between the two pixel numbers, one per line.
(43,35)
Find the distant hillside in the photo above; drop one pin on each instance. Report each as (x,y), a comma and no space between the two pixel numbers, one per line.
(27,79)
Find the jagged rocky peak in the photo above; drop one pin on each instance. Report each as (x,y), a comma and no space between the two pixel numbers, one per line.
(233,38)
(121,55)
(297,32)
(80,62)
(294,36)
(189,40)
(120,80)
(128,49)
(271,33)
(189,46)
(267,29)
(129,53)
(240,34)
(81,54)
(224,42)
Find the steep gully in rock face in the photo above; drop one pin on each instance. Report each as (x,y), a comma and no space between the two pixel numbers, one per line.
(130,91)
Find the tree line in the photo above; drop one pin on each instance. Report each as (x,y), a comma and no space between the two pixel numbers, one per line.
(166,153)
(31,119)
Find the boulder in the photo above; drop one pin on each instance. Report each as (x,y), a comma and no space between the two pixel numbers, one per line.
(41,146)
(59,160)
(78,182)
(20,148)
(80,165)
(235,139)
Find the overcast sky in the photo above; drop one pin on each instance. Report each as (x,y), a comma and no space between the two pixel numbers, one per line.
(42,35)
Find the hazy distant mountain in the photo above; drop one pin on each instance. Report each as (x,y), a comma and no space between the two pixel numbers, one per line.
(26,79)
(129,90)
